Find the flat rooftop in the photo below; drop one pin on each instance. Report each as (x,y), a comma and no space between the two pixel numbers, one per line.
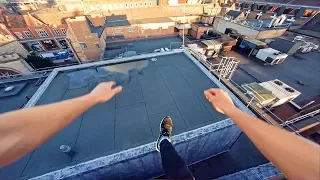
(299,67)
(173,85)
(141,46)
(262,24)
(112,22)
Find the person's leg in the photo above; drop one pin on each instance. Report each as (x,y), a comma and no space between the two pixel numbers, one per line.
(173,165)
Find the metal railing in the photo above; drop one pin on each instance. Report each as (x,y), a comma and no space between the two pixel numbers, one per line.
(311,114)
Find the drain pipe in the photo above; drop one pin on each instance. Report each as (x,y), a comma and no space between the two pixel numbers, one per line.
(67,150)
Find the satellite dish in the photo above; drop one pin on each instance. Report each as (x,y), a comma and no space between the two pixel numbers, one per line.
(9,88)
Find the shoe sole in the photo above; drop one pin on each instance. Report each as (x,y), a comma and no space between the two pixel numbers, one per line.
(160,135)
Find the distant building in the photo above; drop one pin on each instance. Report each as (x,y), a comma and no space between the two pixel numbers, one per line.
(12,59)
(90,40)
(5,34)
(12,55)
(103,27)
(27,5)
(199,28)
(13,64)
(43,33)
(298,9)
(105,5)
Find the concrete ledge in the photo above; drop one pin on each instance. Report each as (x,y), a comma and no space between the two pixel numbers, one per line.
(144,162)
(263,171)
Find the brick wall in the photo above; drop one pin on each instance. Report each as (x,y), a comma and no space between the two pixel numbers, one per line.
(79,32)
(135,32)
(152,12)
(197,31)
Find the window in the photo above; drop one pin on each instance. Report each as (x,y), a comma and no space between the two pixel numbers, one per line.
(121,5)
(57,32)
(83,45)
(42,33)
(104,7)
(98,7)
(97,46)
(115,6)
(28,34)
(136,4)
(109,6)
(118,31)
(150,3)
(145,3)
(20,36)
(109,32)
(141,4)
(126,5)
(131,5)
(131,29)
(63,30)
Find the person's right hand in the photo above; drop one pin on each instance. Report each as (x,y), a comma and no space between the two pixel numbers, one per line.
(219,99)
(105,91)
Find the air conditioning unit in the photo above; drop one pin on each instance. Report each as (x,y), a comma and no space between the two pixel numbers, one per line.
(283,92)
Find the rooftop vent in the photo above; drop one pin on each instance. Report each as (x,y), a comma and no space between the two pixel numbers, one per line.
(9,88)
(289,89)
(278,83)
(154,59)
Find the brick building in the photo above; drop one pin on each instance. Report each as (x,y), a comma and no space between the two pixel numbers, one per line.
(12,55)
(199,28)
(86,43)
(103,27)
(90,40)
(42,32)
(105,5)
(138,28)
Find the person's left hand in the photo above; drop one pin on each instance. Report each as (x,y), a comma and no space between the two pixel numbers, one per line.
(105,91)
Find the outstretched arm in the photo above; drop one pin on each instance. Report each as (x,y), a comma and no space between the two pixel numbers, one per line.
(23,130)
(296,157)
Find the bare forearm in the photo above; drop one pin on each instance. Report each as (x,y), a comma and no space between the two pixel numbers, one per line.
(22,131)
(296,157)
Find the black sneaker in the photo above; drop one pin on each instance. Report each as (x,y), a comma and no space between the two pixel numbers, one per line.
(165,131)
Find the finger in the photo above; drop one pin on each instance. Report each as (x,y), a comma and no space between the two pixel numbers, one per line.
(214,91)
(117,89)
(209,96)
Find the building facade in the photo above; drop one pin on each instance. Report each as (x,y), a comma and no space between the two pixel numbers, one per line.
(42,33)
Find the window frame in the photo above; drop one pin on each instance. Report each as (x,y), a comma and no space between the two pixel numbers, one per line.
(42,33)
(131,29)
(28,34)
(63,30)
(57,32)
(118,29)
(19,35)
(83,45)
